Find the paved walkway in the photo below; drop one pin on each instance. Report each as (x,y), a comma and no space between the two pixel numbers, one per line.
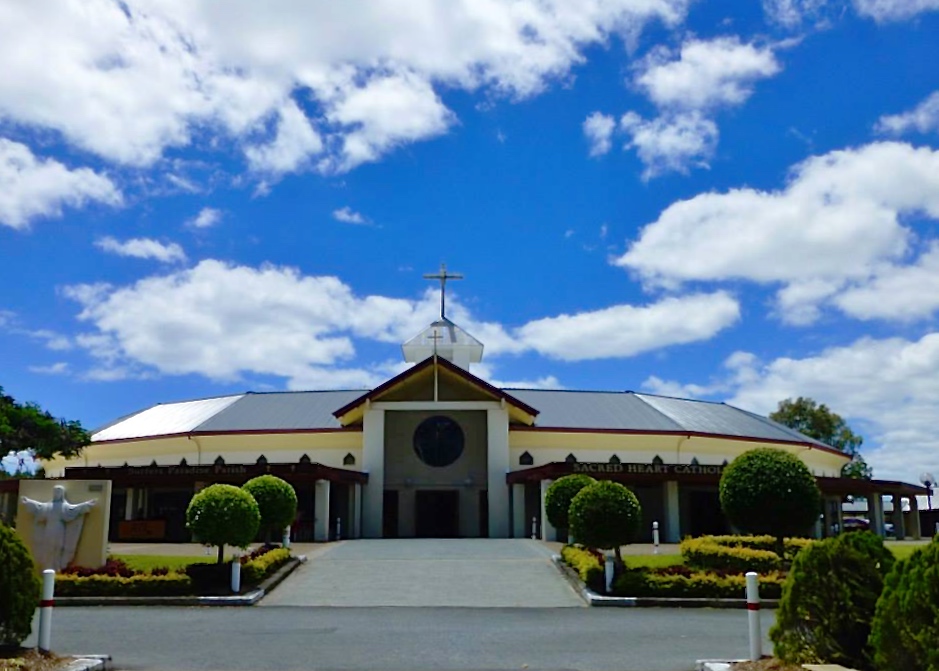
(476,573)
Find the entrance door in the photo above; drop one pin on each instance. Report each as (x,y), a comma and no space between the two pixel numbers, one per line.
(706,514)
(437,513)
(389,522)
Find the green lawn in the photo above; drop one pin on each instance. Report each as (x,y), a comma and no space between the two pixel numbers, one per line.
(903,549)
(150,562)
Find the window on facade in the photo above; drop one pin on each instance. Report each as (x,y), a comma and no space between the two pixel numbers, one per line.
(438,441)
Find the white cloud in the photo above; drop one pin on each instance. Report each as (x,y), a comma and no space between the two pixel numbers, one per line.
(384,113)
(32,187)
(294,142)
(488,372)
(207,217)
(21,461)
(705,74)
(902,293)
(792,13)
(58,368)
(883,11)
(224,321)
(129,80)
(143,248)
(598,129)
(688,87)
(924,118)
(671,143)
(886,389)
(839,219)
(627,330)
(349,216)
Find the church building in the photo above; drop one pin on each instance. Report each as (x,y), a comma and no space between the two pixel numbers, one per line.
(439,452)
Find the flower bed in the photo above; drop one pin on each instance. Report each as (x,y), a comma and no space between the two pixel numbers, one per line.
(115,578)
(680,581)
(739,553)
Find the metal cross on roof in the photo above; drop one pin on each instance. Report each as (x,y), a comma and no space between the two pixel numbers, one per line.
(443,276)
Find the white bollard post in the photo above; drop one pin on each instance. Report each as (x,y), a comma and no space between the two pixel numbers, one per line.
(338,529)
(608,572)
(655,537)
(45,610)
(753,616)
(285,541)
(534,528)
(236,574)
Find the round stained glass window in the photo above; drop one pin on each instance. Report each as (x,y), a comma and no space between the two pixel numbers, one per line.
(438,441)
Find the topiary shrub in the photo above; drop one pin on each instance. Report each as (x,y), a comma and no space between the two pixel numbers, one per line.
(277,501)
(20,588)
(605,515)
(905,630)
(223,515)
(769,491)
(828,601)
(557,500)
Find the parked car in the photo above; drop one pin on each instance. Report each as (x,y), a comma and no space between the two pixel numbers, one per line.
(856,524)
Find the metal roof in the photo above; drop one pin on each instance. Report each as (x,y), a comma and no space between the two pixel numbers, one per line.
(164,419)
(282,411)
(594,410)
(629,411)
(561,409)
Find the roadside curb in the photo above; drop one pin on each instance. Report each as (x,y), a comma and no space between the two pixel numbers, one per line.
(594,599)
(247,599)
(89,663)
(715,664)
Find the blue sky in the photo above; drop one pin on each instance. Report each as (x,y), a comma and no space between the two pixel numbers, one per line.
(730,201)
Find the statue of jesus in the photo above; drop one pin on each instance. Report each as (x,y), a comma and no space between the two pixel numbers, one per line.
(56,528)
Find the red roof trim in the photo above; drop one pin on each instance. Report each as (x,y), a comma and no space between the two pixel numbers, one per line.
(238,432)
(696,434)
(448,365)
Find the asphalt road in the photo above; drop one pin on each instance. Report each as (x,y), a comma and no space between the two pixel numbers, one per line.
(412,639)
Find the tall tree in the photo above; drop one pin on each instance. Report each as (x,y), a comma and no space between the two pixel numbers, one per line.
(817,421)
(29,427)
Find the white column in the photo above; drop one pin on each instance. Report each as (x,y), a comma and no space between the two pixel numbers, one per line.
(519,523)
(373,463)
(548,532)
(898,526)
(915,531)
(356,510)
(497,466)
(875,510)
(672,512)
(321,508)
(129,504)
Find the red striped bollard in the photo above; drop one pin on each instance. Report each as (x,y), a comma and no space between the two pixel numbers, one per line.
(753,616)
(45,610)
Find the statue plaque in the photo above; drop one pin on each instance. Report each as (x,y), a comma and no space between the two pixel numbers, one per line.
(65,522)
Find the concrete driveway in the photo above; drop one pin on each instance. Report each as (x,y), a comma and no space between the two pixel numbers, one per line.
(477,573)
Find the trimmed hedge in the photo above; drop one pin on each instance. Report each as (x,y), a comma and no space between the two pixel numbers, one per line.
(143,584)
(701,553)
(255,570)
(19,588)
(671,581)
(681,582)
(587,565)
(906,622)
(739,553)
(765,542)
(113,579)
(828,602)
